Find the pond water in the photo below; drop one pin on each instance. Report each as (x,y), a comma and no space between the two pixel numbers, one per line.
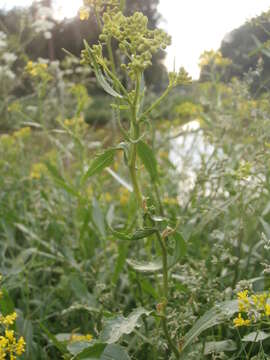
(188,152)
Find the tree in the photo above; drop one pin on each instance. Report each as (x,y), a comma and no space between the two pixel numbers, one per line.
(241,46)
(70,33)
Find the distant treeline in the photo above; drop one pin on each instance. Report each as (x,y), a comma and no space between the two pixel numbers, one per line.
(70,33)
(244,46)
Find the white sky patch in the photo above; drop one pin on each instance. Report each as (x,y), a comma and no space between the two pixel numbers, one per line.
(195,25)
(198,25)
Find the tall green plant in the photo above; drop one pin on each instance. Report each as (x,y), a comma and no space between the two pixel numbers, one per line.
(136,45)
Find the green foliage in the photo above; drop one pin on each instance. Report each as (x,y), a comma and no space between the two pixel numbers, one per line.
(122,241)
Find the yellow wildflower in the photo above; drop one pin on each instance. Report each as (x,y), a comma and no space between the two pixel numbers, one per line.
(22,133)
(267,310)
(37,70)
(243,301)
(259,300)
(9,346)
(7,140)
(20,346)
(124,195)
(84,13)
(239,321)
(37,171)
(14,107)
(8,319)
(75,337)
(171,201)
(107,197)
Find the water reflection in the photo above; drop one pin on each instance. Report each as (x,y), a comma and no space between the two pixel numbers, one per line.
(188,152)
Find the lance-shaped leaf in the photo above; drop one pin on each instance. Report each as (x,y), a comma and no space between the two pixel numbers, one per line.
(114,352)
(59,180)
(118,326)
(83,350)
(149,267)
(179,250)
(213,317)
(143,233)
(100,77)
(256,336)
(148,159)
(100,163)
(219,346)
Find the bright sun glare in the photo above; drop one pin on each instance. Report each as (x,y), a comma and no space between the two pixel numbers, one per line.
(66,9)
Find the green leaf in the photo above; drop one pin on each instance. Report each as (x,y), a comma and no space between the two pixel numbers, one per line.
(219,346)
(98,218)
(100,77)
(83,350)
(59,180)
(217,315)
(119,235)
(120,263)
(81,292)
(114,352)
(149,289)
(179,251)
(79,307)
(6,303)
(148,159)
(143,233)
(60,346)
(256,336)
(100,163)
(145,267)
(116,327)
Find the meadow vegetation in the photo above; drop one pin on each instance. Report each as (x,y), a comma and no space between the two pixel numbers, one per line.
(110,247)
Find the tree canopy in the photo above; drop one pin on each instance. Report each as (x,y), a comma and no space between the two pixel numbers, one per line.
(70,33)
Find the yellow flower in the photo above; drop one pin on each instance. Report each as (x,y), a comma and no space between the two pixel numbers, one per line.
(84,13)
(38,70)
(9,346)
(267,310)
(260,301)
(7,140)
(75,337)
(14,107)
(171,201)
(124,196)
(243,301)
(8,319)
(37,171)
(20,346)
(22,133)
(108,197)
(239,321)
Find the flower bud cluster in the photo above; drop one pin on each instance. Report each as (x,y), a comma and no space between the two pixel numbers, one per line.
(180,78)
(38,70)
(254,308)
(10,346)
(136,41)
(102,5)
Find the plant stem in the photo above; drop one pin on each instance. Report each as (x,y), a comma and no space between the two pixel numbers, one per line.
(168,337)
(164,319)
(157,102)
(132,165)
(135,133)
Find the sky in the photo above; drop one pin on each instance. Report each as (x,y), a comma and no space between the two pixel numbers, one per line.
(195,25)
